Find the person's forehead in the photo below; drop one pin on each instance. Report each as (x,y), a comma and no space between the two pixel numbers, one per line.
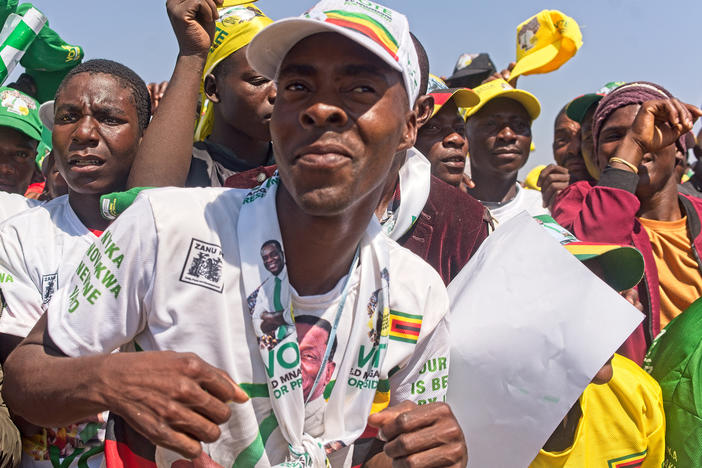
(624,116)
(327,49)
(448,113)
(563,121)
(96,88)
(12,136)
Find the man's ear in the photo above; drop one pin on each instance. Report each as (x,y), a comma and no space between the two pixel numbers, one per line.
(210,87)
(409,132)
(423,107)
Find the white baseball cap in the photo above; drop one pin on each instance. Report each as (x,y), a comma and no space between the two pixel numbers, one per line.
(381,30)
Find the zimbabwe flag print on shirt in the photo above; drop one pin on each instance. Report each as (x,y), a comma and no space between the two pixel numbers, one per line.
(405,327)
(630,461)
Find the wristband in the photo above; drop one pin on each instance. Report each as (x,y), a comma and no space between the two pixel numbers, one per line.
(626,163)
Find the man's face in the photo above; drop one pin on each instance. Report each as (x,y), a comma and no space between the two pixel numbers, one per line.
(96,133)
(244,97)
(442,140)
(272,258)
(17,166)
(655,170)
(340,116)
(566,147)
(313,343)
(587,146)
(499,135)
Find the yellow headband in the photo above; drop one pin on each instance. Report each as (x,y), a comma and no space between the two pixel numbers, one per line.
(238,23)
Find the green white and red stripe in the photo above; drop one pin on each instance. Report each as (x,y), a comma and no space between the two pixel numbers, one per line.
(23,31)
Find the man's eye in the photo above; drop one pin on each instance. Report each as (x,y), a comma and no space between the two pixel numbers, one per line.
(67,117)
(363,89)
(258,81)
(296,86)
(22,154)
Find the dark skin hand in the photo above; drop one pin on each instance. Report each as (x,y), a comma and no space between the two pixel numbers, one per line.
(419,436)
(176,400)
(505,74)
(645,136)
(156,92)
(553,180)
(165,152)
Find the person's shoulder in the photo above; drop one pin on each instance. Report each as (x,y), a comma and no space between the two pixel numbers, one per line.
(182,200)
(36,214)
(629,380)
(445,199)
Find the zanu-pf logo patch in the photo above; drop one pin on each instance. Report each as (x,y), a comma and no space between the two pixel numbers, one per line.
(203,266)
(49,285)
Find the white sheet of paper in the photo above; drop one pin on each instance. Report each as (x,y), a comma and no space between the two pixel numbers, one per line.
(530,327)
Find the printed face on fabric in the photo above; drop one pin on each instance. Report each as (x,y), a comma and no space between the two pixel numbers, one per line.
(340,116)
(272,256)
(313,339)
(499,135)
(244,98)
(17,152)
(96,133)
(442,140)
(655,169)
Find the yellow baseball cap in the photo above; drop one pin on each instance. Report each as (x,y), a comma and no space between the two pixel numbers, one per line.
(500,88)
(546,41)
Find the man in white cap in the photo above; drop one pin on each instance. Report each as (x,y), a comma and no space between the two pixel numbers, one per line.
(192,280)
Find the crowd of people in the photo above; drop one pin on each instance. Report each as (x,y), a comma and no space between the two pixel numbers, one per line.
(246,265)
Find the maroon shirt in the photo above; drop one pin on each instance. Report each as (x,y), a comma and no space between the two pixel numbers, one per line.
(447,233)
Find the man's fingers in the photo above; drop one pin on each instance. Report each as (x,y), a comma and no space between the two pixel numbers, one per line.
(223,387)
(452,455)
(146,423)
(381,419)
(412,419)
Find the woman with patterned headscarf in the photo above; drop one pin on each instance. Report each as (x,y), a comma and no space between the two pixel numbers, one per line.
(639,139)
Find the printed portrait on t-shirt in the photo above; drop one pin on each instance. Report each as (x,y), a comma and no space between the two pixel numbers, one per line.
(275,324)
(272,256)
(312,336)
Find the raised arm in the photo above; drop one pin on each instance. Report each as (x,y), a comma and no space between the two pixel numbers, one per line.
(165,152)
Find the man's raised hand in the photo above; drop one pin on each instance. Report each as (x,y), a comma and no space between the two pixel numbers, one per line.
(661,122)
(193,22)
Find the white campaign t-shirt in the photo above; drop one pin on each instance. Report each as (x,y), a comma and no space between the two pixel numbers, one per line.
(525,200)
(12,203)
(155,300)
(39,251)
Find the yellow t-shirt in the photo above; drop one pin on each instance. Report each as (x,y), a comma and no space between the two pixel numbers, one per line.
(678,274)
(622,425)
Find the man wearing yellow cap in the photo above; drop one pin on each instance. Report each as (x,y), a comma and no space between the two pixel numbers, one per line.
(234,110)
(499,135)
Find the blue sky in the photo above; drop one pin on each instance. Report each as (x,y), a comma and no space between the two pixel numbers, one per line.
(624,40)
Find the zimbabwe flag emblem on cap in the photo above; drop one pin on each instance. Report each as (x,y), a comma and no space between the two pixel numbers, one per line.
(405,327)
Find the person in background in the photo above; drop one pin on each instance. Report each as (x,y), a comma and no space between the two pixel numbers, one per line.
(235,103)
(101,111)
(499,135)
(639,129)
(442,139)
(570,166)
(693,186)
(20,134)
(618,420)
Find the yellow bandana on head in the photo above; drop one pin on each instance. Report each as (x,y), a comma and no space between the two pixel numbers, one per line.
(238,23)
